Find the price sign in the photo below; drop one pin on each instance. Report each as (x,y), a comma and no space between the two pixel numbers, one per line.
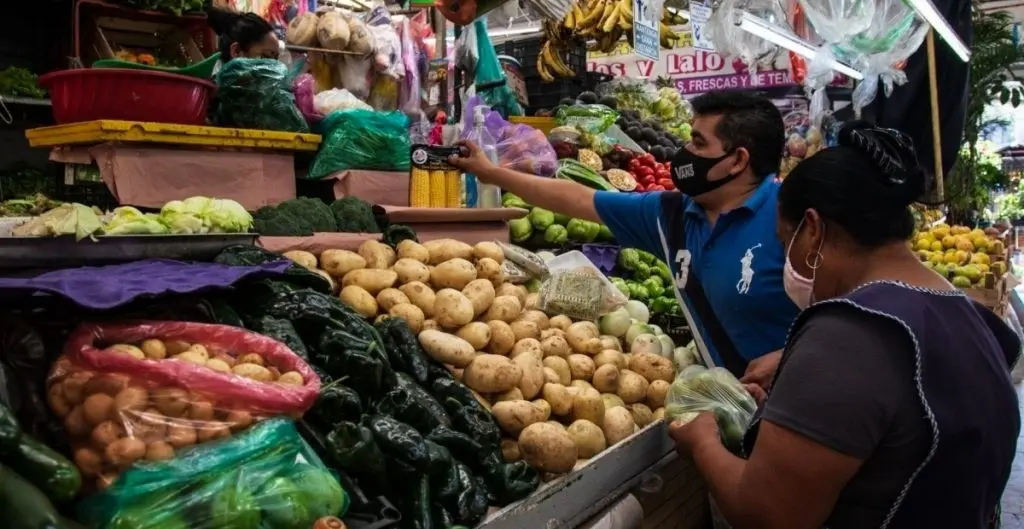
(646,29)
(699,15)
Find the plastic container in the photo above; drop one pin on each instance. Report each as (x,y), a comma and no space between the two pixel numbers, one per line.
(482,195)
(127,94)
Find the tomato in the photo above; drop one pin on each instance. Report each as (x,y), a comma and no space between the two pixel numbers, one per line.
(644,172)
(669,184)
(664,182)
(648,160)
(633,164)
(662,173)
(657,188)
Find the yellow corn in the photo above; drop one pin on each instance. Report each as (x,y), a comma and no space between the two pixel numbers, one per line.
(438,188)
(419,188)
(453,188)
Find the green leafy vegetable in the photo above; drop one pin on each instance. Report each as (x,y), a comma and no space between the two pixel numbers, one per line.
(354,215)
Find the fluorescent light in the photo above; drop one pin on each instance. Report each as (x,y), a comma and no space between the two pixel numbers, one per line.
(931,15)
(685,13)
(756,26)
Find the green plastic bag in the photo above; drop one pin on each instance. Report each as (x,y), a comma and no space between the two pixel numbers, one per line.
(257,94)
(264,478)
(362,139)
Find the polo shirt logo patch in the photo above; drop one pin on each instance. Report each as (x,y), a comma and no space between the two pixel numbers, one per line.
(683,265)
(747,270)
(684,171)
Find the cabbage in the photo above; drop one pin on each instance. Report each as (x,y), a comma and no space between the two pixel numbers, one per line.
(206,215)
(183,223)
(615,323)
(127,220)
(645,343)
(666,345)
(637,329)
(638,310)
(227,216)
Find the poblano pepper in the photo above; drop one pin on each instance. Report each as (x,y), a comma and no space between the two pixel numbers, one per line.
(336,403)
(396,334)
(399,440)
(25,507)
(354,449)
(51,472)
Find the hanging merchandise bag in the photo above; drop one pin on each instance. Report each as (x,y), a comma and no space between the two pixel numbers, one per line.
(257,94)
(363,139)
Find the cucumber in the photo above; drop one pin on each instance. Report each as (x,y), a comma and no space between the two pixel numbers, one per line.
(569,169)
(49,471)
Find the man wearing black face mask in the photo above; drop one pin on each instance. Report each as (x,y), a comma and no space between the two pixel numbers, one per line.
(717,233)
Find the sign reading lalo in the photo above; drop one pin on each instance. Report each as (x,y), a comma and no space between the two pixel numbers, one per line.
(692,70)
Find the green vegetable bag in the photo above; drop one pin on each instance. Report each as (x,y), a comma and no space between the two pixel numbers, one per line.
(264,478)
(363,139)
(257,94)
(697,389)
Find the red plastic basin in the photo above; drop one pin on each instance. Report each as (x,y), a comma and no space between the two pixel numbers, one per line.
(127,95)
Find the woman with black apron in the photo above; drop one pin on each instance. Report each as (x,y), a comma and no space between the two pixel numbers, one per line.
(892,406)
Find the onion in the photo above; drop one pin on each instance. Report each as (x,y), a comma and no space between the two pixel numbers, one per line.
(638,310)
(666,345)
(636,330)
(645,343)
(615,323)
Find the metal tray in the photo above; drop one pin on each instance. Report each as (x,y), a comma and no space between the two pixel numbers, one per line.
(65,252)
(573,499)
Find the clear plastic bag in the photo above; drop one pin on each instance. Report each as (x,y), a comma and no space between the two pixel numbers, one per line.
(335,99)
(264,478)
(143,391)
(520,147)
(578,289)
(895,34)
(466,55)
(409,95)
(525,259)
(835,20)
(355,75)
(590,119)
(698,389)
(257,94)
(723,28)
(363,139)
(387,59)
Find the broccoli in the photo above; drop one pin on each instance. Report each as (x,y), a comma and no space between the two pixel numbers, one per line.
(297,217)
(396,233)
(353,215)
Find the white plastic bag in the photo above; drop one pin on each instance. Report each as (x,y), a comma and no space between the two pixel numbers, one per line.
(337,99)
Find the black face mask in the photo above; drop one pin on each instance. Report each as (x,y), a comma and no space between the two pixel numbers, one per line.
(690,173)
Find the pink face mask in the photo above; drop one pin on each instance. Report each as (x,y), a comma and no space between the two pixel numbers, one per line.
(799,288)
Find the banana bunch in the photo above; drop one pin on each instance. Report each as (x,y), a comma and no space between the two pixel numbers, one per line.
(550,62)
(606,21)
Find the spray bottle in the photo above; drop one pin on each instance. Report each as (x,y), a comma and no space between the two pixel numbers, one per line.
(480,195)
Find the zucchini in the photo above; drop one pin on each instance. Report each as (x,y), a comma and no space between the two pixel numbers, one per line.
(569,169)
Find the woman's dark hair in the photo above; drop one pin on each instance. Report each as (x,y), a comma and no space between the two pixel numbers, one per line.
(244,28)
(865,185)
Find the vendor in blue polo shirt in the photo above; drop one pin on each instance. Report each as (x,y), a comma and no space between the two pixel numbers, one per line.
(717,232)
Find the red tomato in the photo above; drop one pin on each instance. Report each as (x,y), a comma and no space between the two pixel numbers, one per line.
(644,172)
(648,160)
(633,164)
(664,182)
(669,184)
(662,173)
(657,188)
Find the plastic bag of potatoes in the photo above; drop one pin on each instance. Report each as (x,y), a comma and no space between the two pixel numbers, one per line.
(144,391)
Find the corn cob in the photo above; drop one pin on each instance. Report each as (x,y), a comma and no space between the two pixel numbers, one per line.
(419,188)
(453,188)
(438,188)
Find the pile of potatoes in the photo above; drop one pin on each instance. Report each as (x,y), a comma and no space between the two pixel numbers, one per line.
(248,365)
(113,421)
(560,391)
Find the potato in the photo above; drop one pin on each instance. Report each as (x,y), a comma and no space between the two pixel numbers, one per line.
(447,348)
(412,315)
(410,249)
(642,415)
(430,324)
(606,378)
(131,399)
(98,408)
(88,462)
(58,404)
(377,254)
(512,394)
(588,405)
(560,322)
(238,420)
(149,425)
(490,270)
(652,367)
(454,273)
(618,425)
(543,406)
(106,433)
(154,349)
(527,345)
(555,346)
(659,414)
(581,384)
(253,372)
(75,422)
(532,301)
(632,387)
(477,333)
(588,437)
(373,281)
(127,349)
(201,411)
(510,450)
(612,400)
(479,398)
(523,329)
(583,339)
(489,373)
(656,392)
(251,358)
(561,367)
(609,342)
(504,308)
(338,263)
(123,452)
(420,295)
(611,356)
(551,331)
(508,289)
(488,250)
(191,357)
(359,300)
(548,448)
(181,435)
(211,430)
(558,397)
(330,280)
(301,258)
(532,380)
(480,293)
(536,316)
(171,402)
(109,384)
(581,367)
(176,347)
(503,340)
(441,250)
(291,378)
(556,424)
(513,416)
(389,297)
(451,309)
(550,376)
(159,451)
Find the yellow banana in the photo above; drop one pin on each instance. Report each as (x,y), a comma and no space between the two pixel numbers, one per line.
(612,21)
(570,20)
(578,15)
(593,15)
(542,69)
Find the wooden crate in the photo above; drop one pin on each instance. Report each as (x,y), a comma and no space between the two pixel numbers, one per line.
(101,30)
(682,502)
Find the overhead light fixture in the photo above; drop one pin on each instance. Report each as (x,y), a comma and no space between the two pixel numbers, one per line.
(511,32)
(757,26)
(931,15)
(685,13)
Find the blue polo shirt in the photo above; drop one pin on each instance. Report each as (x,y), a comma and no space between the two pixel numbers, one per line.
(739,261)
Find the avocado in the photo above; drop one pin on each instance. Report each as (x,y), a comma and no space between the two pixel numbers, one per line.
(567,101)
(633,132)
(644,145)
(649,134)
(587,98)
(659,152)
(609,102)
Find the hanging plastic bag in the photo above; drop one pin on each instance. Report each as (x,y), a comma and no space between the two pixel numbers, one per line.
(489,79)
(723,28)
(895,34)
(835,20)
(145,390)
(266,477)
(466,55)
(698,389)
(409,95)
(257,94)
(304,89)
(335,100)
(363,139)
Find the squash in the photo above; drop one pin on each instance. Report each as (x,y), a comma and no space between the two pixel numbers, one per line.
(332,31)
(302,30)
